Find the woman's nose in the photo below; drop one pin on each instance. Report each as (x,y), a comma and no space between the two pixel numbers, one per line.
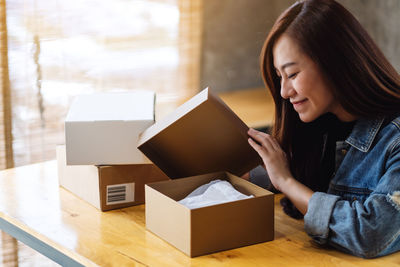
(286,89)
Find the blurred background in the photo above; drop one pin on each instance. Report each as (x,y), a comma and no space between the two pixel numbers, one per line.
(53,50)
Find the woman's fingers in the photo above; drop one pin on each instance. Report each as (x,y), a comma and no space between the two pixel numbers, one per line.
(265,140)
(274,143)
(259,149)
(274,158)
(258,136)
(256,147)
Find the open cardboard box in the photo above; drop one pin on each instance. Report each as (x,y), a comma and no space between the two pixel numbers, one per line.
(209,229)
(107,187)
(201,138)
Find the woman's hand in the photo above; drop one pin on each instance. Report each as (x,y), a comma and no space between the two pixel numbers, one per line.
(277,166)
(274,158)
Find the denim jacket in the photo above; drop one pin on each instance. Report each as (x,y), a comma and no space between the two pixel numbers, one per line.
(360,212)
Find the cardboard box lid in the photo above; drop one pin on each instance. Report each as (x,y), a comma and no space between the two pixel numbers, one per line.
(201,136)
(127,106)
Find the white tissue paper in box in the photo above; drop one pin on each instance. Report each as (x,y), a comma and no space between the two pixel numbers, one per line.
(215,192)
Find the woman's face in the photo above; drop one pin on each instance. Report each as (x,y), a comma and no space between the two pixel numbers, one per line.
(303,84)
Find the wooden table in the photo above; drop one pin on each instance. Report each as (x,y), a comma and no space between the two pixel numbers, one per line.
(53,221)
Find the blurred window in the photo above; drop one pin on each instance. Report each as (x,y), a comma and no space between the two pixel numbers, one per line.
(60,49)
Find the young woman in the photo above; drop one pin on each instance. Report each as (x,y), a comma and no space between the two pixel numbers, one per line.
(334,150)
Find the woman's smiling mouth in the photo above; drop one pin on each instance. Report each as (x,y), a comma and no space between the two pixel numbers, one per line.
(297,104)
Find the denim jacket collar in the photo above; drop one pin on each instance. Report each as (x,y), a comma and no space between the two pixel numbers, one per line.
(364,132)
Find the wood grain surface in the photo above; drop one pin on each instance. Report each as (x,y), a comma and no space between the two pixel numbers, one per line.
(31,200)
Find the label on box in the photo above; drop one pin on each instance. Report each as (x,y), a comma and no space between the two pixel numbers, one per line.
(120,193)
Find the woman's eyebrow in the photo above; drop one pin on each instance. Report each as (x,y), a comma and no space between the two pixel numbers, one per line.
(288,65)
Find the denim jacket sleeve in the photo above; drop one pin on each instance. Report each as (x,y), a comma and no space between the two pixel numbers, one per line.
(367,229)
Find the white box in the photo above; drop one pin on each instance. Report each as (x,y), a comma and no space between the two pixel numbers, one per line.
(103,128)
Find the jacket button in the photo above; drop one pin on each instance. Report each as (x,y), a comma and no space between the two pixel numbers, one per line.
(344,151)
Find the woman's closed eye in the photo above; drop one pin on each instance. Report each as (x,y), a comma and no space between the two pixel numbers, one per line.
(292,76)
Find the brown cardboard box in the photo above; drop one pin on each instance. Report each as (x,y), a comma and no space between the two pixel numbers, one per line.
(201,136)
(107,187)
(204,137)
(209,229)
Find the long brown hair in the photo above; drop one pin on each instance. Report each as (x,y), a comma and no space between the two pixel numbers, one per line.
(363,81)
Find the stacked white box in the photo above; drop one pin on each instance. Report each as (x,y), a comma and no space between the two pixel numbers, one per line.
(103,128)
